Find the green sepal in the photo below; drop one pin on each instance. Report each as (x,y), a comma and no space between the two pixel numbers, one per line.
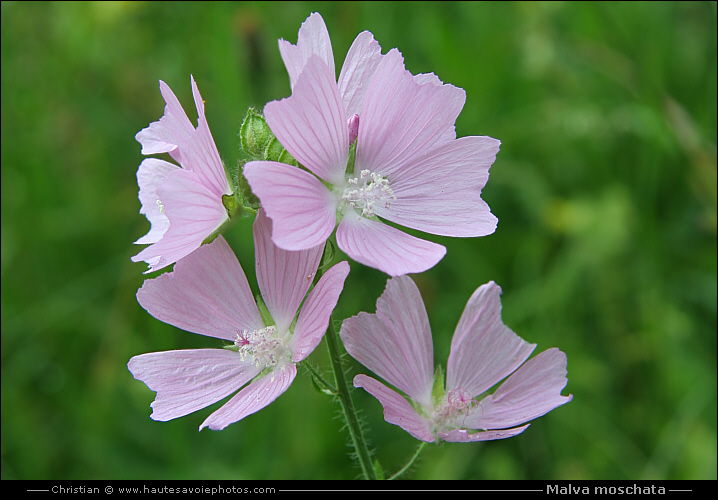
(352,157)
(249,198)
(232,204)
(320,388)
(216,232)
(438,390)
(328,256)
(264,312)
(379,470)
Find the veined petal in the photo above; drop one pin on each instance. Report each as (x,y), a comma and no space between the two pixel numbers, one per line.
(302,209)
(386,248)
(189,380)
(401,119)
(463,436)
(206,293)
(312,123)
(483,351)
(149,176)
(315,314)
(395,343)
(252,398)
(359,67)
(397,410)
(170,132)
(201,155)
(194,213)
(283,276)
(533,390)
(313,39)
(440,192)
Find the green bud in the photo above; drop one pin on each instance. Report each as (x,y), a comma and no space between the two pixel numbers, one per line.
(258,141)
(255,135)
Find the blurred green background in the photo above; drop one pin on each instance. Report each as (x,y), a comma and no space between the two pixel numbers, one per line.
(605,189)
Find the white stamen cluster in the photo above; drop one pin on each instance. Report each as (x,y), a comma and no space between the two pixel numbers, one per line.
(374,191)
(261,346)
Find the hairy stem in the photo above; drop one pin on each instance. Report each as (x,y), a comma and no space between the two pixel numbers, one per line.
(341,387)
(345,400)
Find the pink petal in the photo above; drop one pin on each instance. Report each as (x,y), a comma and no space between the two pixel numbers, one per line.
(206,293)
(313,39)
(302,209)
(316,312)
(201,155)
(312,123)
(252,398)
(463,436)
(149,176)
(395,343)
(440,193)
(386,248)
(283,276)
(397,410)
(194,214)
(483,351)
(189,380)
(170,132)
(359,67)
(401,119)
(534,390)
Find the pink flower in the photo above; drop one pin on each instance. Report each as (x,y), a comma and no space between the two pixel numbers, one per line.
(409,167)
(183,204)
(395,343)
(207,293)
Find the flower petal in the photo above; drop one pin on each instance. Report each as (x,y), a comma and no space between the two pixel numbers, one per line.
(149,176)
(397,410)
(170,132)
(395,343)
(302,209)
(201,155)
(194,213)
(386,248)
(313,39)
(252,398)
(359,67)
(440,193)
(312,123)
(189,380)
(463,436)
(534,390)
(283,276)
(206,293)
(483,351)
(402,119)
(316,312)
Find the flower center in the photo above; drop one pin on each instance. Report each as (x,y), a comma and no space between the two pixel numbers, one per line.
(458,402)
(261,346)
(367,192)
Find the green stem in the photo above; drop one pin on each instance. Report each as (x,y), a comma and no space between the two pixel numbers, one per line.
(341,387)
(419,449)
(345,400)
